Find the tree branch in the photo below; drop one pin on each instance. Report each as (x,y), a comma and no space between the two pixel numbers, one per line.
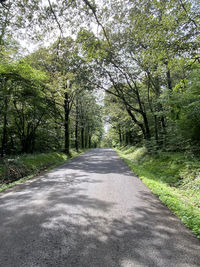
(88,4)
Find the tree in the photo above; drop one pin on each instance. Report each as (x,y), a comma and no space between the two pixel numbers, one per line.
(24,103)
(140,59)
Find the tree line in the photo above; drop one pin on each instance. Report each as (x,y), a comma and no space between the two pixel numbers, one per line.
(143,54)
(147,61)
(46,103)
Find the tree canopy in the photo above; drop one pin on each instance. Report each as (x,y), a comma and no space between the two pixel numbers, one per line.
(142,56)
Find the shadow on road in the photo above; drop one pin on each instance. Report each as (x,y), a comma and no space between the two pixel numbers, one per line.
(102,161)
(54,222)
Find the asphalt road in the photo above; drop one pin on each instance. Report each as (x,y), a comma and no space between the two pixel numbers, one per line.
(91,211)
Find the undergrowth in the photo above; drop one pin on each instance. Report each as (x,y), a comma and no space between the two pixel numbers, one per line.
(14,170)
(173,177)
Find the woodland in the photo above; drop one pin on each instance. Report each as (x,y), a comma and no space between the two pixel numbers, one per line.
(142,56)
(80,74)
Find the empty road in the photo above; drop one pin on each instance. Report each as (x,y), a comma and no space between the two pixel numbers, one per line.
(91,211)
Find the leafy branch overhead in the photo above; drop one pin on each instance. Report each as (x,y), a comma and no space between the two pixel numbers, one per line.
(137,57)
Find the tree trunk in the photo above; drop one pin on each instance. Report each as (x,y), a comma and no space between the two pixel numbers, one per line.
(76,128)
(146,125)
(156,128)
(127,138)
(86,138)
(5,122)
(168,74)
(24,144)
(120,136)
(66,123)
(82,138)
(138,123)
(90,141)
(131,137)
(169,82)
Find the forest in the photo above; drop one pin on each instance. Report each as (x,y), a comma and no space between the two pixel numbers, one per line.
(142,56)
(82,74)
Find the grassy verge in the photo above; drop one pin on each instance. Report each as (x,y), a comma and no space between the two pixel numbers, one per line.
(18,169)
(173,177)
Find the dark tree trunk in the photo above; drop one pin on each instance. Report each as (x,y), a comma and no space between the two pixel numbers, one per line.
(138,123)
(5,122)
(168,74)
(12,146)
(147,134)
(156,128)
(76,137)
(146,125)
(163,124)
(25,144)
(123,137)
(169,82)
(131,137)
(90,141)
(120,136)
(76,128)
(127,138)
(66,123)
(86,138)
(82,138)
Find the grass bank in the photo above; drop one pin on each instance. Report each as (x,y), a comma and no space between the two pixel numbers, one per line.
(173,177)
(15,170)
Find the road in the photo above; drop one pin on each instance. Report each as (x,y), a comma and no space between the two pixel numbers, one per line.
(91,211)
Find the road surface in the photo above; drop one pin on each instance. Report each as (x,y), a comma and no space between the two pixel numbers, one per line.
(91,212)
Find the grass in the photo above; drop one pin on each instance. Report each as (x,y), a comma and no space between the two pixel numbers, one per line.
(173,177)
(16,170)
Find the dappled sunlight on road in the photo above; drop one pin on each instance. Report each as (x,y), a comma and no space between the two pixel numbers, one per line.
(91,211)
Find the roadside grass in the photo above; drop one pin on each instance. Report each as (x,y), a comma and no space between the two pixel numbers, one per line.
(173,177)
(15,170)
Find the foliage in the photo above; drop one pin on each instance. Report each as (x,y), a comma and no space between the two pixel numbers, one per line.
(147,69)
(186,105)
(143,54)
(40,102)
